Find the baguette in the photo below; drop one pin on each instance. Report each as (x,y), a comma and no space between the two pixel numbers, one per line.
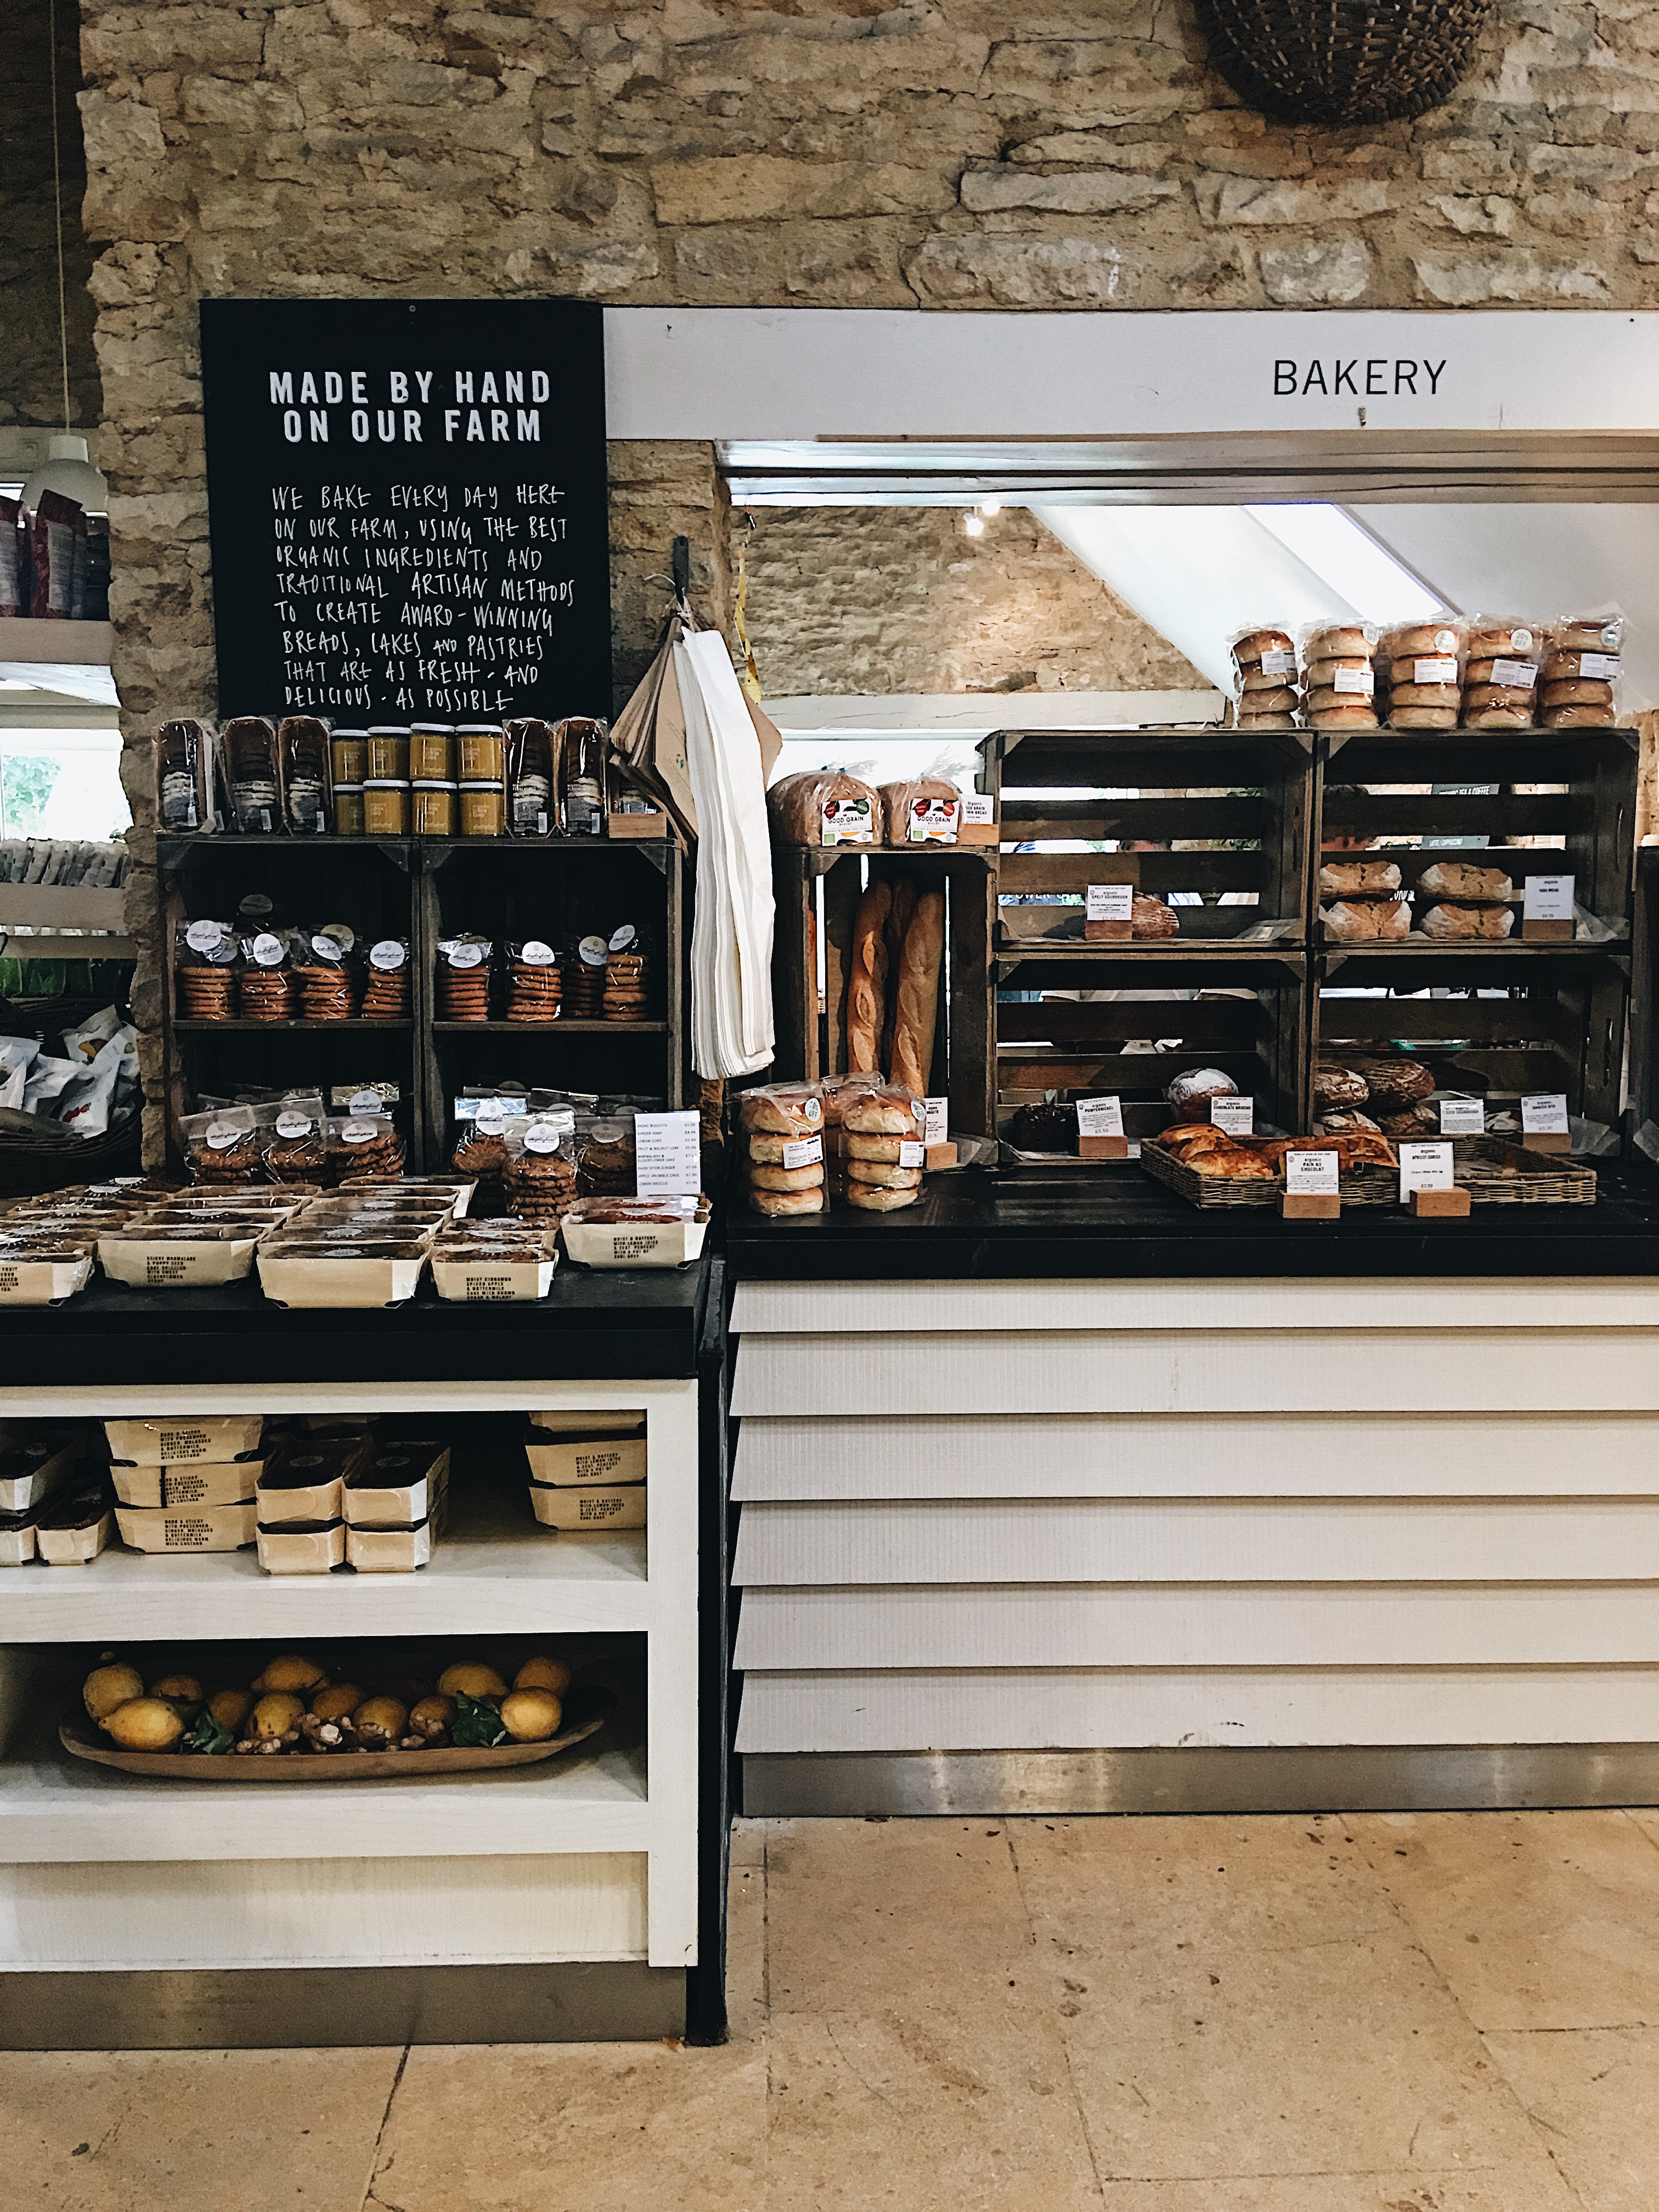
(916,998)
(866,987)
(898,921)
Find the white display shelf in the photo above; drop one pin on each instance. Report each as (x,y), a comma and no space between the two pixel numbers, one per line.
(60,1810)
(495,1572)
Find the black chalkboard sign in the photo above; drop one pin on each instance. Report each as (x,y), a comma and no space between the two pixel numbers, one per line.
(406,502)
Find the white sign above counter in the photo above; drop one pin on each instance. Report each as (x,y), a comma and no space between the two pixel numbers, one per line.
(793,373)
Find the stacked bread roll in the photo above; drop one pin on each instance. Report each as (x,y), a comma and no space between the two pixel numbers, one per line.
(1581,671)
(1339,676)
(1500,674)
(1422,662)
(1267,694)
(882,1150)
(782,1125)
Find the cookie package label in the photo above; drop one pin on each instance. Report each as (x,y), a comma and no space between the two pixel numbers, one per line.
(537,954)
(293,1125)
(594,951)
(205,936)
(933,821)
(465,956)
(364,1102)
(390,952)
(222,1135)
(621,937)
(358,1132)
(541,1137)
(266,949)
(844,822)
(326,947)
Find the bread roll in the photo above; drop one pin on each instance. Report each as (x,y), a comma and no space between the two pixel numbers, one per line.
(1250,647)
(881,1114)
(867,982)
(1337,878)
(1338,642)
(882,1175)
(1578,691)
(781,1109)
(1252,680)
(1494,717)
(1322,674)
(1281,701)
(1432,641)
(763,1175)
(768,1148)
(785,1201)
(1588,634)
(876,1148)
(1462,879)
(1265,721)
(1485,671)
(875,1198)
(1423,695)
(917,995)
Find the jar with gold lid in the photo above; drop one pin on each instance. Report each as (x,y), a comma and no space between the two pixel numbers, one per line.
(386,808)
(388,754)
(348,809)
(484,810)
(434,809)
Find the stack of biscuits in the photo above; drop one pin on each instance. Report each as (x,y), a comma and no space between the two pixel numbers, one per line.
(623,999)
(207,994)
(584,987)
(539,1186)
(609,1165)
(267,994)
(463,985)
(386,994)
(535,990)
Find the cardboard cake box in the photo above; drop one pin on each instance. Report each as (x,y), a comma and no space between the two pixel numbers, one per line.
(303,1548)
(204,1483)
(405,1483)
(389,1551)
(187,1528)
(583,1512)
(181,1438)
(585,1459)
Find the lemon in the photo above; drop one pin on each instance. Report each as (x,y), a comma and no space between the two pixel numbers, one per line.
(531,1716)
(230,1708)
(178,1690)
(386,1713)
(145,1725)
(471,1678)
(106,1687)
(292,1672)
(275,1715)
(542,1672)
(336,1702)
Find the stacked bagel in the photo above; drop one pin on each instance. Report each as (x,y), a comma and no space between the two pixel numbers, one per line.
(1580,672)
(1500,675)
(880,1150)
(1267,696)
(1422,663)
(782,1125)
(1339,665)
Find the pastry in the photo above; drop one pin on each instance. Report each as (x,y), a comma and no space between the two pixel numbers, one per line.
(1049,1129)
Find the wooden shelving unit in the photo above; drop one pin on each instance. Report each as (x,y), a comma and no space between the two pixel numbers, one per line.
(421,889)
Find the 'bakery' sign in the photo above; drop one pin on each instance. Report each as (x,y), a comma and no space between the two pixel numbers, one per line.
(1375,376)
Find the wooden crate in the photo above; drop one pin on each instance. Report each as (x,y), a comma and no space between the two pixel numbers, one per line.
(1558,1024)
(1245,798)
(1362,793)
(1082,1045)
(818,891)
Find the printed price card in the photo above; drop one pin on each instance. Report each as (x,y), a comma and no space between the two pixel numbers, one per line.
(1100,1117)
(1313,1174)
(1548,898)
(936,1128)
(1235,1116)
(1543,1114)
(1108,902)
(1425,1167)
(667,1161)
(1462,1117)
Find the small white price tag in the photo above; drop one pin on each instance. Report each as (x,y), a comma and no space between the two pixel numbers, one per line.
(804,1152)
(1235,1116)
(1516,675)
(266,949)
(912,1153)
(936,1121)
(667,1161)
(1548,898)
(1442,670)
(542,1137)
(358,1132)
(1279,663)
(465,956)
(1100,1117)
(1361,680)
(1603,667)
(1462,1117)
(1545,1113)
(1313,1174)
(1108,902)
(978,807)
(1425,1167)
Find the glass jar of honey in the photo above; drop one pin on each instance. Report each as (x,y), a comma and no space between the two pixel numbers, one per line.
(386,808)
(482,750)
(350,752)
(432,752)
(348,809)
(388,755)
(434,809)
(484,810)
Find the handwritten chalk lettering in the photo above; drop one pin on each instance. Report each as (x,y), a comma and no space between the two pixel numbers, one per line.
(1381,376)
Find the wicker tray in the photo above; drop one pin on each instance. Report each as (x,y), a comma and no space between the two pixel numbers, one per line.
(78,1735)
(1361,1186)
(1495,1172)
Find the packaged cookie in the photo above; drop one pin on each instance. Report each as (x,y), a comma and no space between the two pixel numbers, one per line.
(464,972)
(532,766)
(625,971)
(583,971)
(296,1146)
(607,1161)
(539,1183)
(184,775)
(267,988)
(206,956)
(330,980)
(365,1147)
(535,988)
(386,994)
(223,1146)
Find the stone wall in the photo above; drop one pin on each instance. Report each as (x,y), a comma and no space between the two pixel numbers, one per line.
(31,356)
(901,599)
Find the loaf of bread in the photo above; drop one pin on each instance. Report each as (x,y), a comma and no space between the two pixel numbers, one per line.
(899,912)
(1461,879)
(1339,1087)
(1412,1122)
(1370,919)
(1150,917)
(924,811)
(1346,1124)
(916,995)
(1342,879)
(1441,922)
(1394,1084)
(825,807)
(1195,1086)
(1338,642)
(867,982)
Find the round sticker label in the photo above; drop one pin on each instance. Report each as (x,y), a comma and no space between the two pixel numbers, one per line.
(255,904)
(810,1109)
(205,936)
(490,1125)
(364,1102)
(623,937)
(388,953)
(537,954)
(594,951)
(358,1132)
(1610,635)
(266,949)
(541,1137)
(342,933)
(1521,640)
(465,956)
(293,1125)
(1445,641)
(327,948)
(222,1135)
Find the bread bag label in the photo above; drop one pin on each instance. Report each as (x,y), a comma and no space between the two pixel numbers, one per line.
(1604,667)
(844,822)
(912,1153)
(1279,663)
(804,1152)
(1462,1117)
(933,821)
(1514,675)
(1360,681)
(1443,670)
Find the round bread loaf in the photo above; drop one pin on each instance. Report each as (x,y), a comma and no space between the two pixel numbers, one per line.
(1578,691)
(1281,701)
(787,1201)
(1196,1086)
(1423,717)
(1424,695)
(1338,643)
(1248,650)
(763,1175)
(1047,1129)
(873,1148)
(1588,634)
(1321,674)
(1492,716)
(1346,716)
(880,1175)
(1339,1086)
(1260,679)
(875,1198)
(1579,717)
(1246,721)
(1421,637)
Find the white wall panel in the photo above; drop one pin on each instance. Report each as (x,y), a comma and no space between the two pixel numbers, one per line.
(1224,1540)
(861,1308)
(1187,1624)
(1197,1455)
(1075,1708)
(1172,1371)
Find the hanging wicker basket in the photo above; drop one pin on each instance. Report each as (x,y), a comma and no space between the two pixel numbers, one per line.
(1343,61)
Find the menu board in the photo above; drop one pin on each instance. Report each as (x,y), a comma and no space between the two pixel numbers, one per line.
(407,508)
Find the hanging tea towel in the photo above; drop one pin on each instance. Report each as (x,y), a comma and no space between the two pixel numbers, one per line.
(732,937)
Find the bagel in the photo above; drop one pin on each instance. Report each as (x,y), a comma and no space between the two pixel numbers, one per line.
(1321,674)
(1588,634)
(875,1198)
(764,1176)
(1249,649)
(1281,701)
(763,1146)
(1326,701)
(792,1110)
(1259,679)
(1339,641)
(1424,695)
(1426,638)
(1578,691)
(1496,718)
(1565,666)
(1580,718)
(875,1148)
(1485,671)
(1500,644)
(1498,694)
(787,1201)
(879,1174)
(1343,717)
(879,1117)
(1423,717)
(1265,722)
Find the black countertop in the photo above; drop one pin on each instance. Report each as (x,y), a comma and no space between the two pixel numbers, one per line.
(1114,1221)
(594,1325)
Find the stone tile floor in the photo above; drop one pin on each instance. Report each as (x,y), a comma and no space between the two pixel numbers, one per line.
(1428,2013)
